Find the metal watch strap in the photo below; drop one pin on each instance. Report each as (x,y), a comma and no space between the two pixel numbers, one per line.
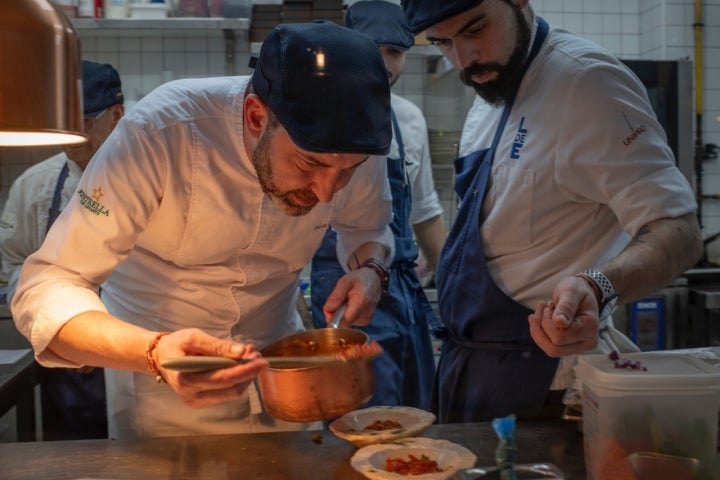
(382,271)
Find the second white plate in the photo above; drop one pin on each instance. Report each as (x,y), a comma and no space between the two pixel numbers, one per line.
(364,427)
(450,457)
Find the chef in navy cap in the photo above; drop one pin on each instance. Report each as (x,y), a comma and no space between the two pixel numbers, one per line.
(402,321)
(102,87)
(564,209)
(322,57)
(382,21)
(197,216)
(421,14)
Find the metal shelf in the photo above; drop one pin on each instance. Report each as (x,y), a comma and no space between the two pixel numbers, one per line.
(235,31)
(418,50)
(158,26)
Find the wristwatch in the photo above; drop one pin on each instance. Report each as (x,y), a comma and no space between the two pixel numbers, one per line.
(607,296)
(382,271)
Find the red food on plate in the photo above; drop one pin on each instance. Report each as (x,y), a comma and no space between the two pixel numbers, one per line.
(383,425)
(413,466)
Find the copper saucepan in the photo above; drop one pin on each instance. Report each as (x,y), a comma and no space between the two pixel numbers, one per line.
(309,394)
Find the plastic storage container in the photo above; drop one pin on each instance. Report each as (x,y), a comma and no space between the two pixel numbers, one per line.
(149,10)
(669,407)
(116,9)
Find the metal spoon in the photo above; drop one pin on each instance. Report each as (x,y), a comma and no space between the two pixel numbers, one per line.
(337,316)
(201,363)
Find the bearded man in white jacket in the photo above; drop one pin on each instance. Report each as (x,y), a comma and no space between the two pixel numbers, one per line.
(197,216)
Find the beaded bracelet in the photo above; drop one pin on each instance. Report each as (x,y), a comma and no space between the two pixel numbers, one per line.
(149,355)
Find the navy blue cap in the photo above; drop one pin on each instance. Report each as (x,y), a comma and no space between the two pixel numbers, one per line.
(327,85)
(101,87)
(382,21)
(423,14)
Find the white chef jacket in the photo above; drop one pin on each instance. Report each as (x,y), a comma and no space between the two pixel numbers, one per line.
(171,220)
(25,216)
(581,166)
(418,166)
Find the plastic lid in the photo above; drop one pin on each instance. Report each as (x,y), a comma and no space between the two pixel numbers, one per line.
(663,370)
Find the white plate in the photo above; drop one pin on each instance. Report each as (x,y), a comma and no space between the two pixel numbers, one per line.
(353,426)
(451,457)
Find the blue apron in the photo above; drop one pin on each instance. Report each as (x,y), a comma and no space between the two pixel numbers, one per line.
(401,324)
(489,366)
(73,401)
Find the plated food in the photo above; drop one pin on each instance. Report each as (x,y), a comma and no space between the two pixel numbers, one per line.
(381,424)
(412,458)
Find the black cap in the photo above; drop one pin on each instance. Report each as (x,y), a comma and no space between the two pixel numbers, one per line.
(423,14)
(382,21)
(327,85)
(101,87)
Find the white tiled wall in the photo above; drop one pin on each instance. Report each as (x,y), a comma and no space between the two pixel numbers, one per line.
(146,60)
(632,29)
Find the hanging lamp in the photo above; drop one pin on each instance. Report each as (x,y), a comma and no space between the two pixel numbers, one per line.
(40,75)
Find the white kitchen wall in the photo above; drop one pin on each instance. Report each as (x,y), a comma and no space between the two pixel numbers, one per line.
(632,29)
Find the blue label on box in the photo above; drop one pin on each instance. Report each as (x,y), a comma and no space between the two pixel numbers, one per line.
(647,323)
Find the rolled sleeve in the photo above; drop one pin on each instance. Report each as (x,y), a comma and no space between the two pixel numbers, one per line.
(45,311)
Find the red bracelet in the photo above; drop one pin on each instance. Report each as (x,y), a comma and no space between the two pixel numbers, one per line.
(150,356)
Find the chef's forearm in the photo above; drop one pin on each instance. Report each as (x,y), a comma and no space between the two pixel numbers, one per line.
(367,251)
(656,256)
(430,236)
(98,339)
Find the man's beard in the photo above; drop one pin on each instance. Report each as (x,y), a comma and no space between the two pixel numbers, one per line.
(502,89)
(261,161)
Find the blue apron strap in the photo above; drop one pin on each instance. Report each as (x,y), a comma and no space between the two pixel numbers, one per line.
(57,196)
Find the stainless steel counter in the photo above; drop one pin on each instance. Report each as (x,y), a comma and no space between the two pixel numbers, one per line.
(267,456)
(17,383)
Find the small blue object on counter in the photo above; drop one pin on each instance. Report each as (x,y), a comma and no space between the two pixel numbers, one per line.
(506,451)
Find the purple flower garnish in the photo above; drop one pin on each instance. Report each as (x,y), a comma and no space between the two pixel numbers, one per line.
(626,363)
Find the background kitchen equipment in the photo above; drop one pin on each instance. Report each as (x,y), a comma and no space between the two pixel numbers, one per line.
(659,321)
(211,8)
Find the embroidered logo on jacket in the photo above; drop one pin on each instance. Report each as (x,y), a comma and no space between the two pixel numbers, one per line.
(636,131)
(92,202)
(519,141)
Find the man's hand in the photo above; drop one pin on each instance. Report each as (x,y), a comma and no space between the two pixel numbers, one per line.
(208,388)
(360,290)
(567,324)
